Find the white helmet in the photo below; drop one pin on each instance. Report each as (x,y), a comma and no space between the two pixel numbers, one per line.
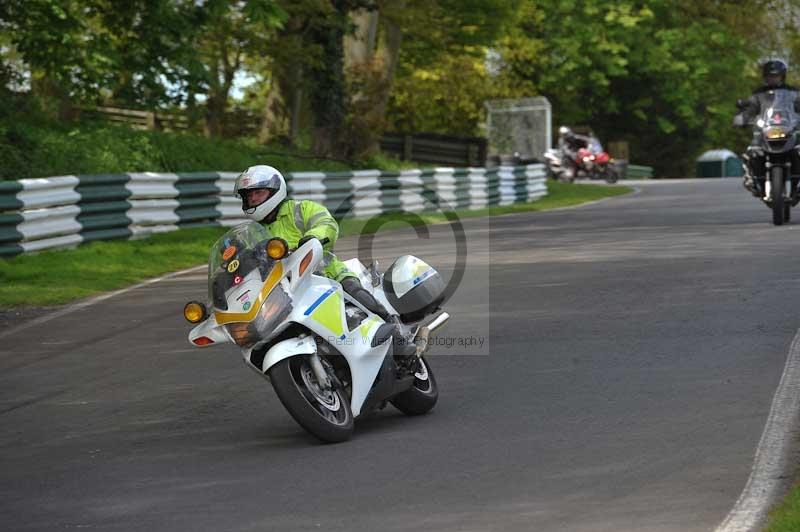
(564,131)
(260,176)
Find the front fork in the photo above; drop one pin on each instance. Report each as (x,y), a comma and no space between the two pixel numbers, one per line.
(323,379)
(790,188)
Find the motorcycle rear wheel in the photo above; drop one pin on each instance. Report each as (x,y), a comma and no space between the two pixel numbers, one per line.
(422,395)
(776,190)
(324,413)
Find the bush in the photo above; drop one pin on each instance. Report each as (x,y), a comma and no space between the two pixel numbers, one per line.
(32,146)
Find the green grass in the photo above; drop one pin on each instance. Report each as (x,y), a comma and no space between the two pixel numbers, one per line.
(61,276)
(786,516)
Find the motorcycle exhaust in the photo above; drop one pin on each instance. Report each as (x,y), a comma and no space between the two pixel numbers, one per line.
(424,333)
(440,320)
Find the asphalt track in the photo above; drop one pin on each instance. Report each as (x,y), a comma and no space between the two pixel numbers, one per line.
(631,351)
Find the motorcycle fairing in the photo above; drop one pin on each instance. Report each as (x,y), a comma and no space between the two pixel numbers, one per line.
(779,121)
(317,303)
(321,308)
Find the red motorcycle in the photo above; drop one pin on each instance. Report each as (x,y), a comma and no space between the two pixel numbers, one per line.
(595,163)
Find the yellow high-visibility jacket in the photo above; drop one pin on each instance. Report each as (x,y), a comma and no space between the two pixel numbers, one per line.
(299,218)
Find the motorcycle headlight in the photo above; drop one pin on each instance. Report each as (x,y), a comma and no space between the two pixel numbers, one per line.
(775,133)
(272,313)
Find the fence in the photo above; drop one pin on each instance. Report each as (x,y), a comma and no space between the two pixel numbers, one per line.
(433,148)
(522,126)
(426,148)
(138,119)
(638,172)
(37,214)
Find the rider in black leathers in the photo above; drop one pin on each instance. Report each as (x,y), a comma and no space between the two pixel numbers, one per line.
(774,72)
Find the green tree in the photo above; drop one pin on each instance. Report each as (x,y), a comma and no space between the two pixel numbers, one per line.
(147,41)
(224,34)
(429,63)
(662,74)
(54,39)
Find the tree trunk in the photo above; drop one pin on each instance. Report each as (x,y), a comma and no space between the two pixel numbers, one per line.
(273,117)
(53,99)
(218,96)
(215,112)
(359,48)
(389,54)
(327,96)
(373,76)
(281,114)
(297,107)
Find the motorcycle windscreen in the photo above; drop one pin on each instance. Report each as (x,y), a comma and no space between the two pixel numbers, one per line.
(594,145)
(779,119)
(238,256)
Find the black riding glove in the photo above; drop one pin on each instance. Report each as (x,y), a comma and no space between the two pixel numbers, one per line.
(305,239)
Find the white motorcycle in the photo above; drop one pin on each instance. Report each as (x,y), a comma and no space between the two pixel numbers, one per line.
(329,359)
(554,164)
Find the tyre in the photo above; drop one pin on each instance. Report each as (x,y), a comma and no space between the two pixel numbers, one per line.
(776,185)
(611,175)
(325,414)
(422,395)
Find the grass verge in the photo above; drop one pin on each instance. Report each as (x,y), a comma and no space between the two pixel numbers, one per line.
(61,276)
(786,516)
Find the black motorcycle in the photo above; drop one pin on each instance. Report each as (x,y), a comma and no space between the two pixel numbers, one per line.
(774,141)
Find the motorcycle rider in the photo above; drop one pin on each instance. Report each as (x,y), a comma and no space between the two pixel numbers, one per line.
(774,73)
(263,192)
(569,143)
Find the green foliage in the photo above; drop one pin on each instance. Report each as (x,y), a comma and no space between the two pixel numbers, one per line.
(435,29)
(42,149)
(662,74)
(445,97)
(50,34)
(146,43)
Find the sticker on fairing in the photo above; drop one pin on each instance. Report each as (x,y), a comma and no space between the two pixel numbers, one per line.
(229,252)
(244,297)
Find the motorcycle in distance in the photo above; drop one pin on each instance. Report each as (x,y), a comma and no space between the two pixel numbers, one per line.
(592,162)
(328,358)
(553,162)
(775,138)
(596,163)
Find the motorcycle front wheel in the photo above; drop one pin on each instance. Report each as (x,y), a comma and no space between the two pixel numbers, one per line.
(776,190)
(422,395)
(611,175)
(324,413)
